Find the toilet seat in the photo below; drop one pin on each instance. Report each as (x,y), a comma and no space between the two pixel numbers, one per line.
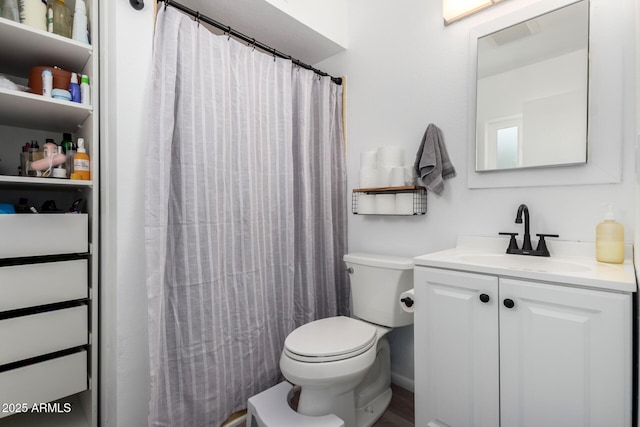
(330,339)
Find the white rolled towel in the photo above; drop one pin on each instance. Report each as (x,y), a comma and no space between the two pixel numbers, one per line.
(385,204)
(369,159)
(397,176)
(384,176)
(404,203)
(390,156)
(366,204)
(369,178)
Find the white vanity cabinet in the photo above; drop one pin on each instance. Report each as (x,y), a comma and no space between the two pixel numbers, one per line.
(493,350)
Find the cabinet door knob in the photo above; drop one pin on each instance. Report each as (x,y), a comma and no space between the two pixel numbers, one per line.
(484,298)
(509,303)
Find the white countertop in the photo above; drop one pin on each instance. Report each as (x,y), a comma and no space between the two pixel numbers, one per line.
(572,263)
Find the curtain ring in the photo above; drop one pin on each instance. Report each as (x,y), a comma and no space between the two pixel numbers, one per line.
(228,33)
(198,18)
(166,3)
(273,51)
(253,44)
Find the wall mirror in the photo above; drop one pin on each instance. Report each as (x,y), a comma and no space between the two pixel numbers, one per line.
(532,85)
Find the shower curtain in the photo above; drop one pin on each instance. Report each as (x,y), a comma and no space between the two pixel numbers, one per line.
(245,218)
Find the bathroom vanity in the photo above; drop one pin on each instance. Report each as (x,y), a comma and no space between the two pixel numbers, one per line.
(512,340)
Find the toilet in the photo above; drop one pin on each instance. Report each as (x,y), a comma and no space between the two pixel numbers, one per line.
(342,364)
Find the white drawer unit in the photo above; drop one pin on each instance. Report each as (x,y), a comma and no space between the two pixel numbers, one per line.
(34,335)
(43,382)
(29,285)
(43,234)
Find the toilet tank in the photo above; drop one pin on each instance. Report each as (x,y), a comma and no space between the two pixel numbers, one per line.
(376,284)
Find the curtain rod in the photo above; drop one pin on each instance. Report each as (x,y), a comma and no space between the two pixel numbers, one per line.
(253,42)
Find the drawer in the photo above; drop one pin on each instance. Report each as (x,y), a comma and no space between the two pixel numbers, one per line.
(29,285)
(45,381)
(37,334)
(43,234)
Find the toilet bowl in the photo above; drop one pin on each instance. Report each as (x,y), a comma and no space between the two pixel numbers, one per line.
(331,367)
(342,364)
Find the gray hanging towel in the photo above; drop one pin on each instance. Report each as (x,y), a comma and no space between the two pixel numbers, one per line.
(432,160)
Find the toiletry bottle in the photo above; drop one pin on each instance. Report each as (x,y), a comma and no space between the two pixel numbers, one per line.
(69,150)
(34,155)
(80,22)
(62,20)
(74,88)
(85,90)
(47,83)
(34,13)
(60,171)
(610,239)
(24,159)
(9,9)
(81,164)
(49,19)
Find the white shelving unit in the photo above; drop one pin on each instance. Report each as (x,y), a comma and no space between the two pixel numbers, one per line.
(41,274)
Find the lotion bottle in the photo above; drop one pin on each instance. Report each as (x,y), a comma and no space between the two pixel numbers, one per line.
(74,88)
(610,238)
(80,32)
(81,164)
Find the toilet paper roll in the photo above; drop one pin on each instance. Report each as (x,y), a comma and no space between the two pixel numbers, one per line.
(369,159)
(384,176)
(404,204)
(368,178)
(397,176)
(409,175)
(390,156)
(407,301)
(385,204)
(367,204)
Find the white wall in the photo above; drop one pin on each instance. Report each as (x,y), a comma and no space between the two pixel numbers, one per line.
(328,17)
(125,48)
(405,70)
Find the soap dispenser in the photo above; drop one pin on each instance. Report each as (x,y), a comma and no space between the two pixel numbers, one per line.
(610,238)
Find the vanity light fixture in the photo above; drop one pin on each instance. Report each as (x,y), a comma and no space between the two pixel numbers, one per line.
(454,10)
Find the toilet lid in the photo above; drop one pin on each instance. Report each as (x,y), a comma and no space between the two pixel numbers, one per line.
(333,338)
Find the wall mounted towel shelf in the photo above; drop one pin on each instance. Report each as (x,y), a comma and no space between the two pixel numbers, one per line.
(406,201)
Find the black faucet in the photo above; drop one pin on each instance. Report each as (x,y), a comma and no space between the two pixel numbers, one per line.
(526,244)
(527,249)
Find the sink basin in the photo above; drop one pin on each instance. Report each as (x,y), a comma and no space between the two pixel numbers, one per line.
(572,263)
(520,262)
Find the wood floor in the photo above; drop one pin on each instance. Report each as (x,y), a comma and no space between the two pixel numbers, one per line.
(401,410)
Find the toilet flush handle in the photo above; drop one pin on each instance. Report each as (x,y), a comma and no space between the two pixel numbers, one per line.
(349,270)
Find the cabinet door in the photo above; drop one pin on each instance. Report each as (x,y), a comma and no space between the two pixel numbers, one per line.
(565,356)
(456,349)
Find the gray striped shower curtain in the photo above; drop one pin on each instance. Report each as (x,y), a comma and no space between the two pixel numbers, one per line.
(245,218)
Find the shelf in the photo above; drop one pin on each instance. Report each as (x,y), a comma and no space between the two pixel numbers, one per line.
(26,110)
(22,47)
(405,201)
(377,190)
(26,181)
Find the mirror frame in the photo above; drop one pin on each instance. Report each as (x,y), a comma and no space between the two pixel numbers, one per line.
(606,102)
